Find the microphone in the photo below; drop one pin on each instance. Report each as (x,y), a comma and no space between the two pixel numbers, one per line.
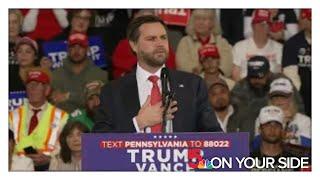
(167,95)
(164,83)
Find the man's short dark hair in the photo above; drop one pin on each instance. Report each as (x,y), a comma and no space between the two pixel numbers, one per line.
(133,32)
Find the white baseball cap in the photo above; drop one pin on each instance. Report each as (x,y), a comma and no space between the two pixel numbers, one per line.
(269,114)
(281,86)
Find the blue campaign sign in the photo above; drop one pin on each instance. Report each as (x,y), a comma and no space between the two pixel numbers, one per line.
(57,51)
(16,98)
(164,152)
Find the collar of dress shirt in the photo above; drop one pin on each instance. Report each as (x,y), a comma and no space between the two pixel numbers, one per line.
(143,75)
(224,123)
(44,106)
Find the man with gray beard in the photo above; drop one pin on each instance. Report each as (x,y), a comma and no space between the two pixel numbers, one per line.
(133,102)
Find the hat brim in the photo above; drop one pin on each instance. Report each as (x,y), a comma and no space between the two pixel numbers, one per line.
(257,75)
(82,44)
(280,93)
(272,121)
(217,84)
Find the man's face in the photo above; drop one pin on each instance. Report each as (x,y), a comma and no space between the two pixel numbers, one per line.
(219,97)
(14,25)
(203,24)
(258,83)
(93,102)
(37,92)
(305,24)
(152,47)
(77,53)
(81,21)
(261,29)
(210,65)
(282,102)
(74,140)
(271,132)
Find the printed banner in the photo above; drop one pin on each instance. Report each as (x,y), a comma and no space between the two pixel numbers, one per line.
(57,51)
(164,152)
(178,17)
(16,98)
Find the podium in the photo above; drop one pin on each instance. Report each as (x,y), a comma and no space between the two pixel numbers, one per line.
(163,152)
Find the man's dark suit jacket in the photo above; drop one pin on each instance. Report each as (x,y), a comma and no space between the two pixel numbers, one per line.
(119,103)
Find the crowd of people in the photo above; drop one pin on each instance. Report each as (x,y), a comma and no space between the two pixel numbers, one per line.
(255,63)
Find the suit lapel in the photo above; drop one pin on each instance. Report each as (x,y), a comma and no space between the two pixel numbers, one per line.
(130,95)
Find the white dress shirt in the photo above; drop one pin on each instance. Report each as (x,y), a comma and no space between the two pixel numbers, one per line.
(31,112)
(224,122)
(144,90)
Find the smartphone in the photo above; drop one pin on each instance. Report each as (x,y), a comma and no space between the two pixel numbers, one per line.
(30,150)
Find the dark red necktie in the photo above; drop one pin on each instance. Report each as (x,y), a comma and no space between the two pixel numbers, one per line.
(155,98)
(34,120)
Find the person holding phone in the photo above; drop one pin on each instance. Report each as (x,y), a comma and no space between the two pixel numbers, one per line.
(37,124)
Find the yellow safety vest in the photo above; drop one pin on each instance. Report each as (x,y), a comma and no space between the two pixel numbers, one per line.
(45,136)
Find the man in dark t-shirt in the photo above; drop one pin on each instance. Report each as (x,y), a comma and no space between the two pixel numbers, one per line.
(271,129)
(296,60)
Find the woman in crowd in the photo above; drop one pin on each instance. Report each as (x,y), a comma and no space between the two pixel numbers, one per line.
(202,29)
(15,30)
(69,158)
(26,53)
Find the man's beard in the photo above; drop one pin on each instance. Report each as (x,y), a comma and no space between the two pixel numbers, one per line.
(272,140)
(152,61)
(78,61)
(259,91)
(220,106)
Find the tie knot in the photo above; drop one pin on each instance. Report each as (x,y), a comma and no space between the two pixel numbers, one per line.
(153,79)
(35,111)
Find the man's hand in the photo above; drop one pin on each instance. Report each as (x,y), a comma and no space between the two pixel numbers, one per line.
(197,70)
(46,63)
(171,110)
(58,97)
(277,36)
(39,159)
(149,115)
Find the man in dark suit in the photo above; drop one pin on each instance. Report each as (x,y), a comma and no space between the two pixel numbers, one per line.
(133,103)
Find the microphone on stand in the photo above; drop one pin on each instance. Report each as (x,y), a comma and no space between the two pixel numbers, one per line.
(167,96)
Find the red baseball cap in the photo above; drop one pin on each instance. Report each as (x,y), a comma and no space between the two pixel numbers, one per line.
(306,14)
(210,50)
(38,76)
(261,15)
(78,38)
(28,41)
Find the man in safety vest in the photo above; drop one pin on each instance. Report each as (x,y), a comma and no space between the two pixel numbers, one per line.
(37,123)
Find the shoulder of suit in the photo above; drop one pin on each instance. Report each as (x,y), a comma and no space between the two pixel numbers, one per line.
(122,81)
(183,75)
